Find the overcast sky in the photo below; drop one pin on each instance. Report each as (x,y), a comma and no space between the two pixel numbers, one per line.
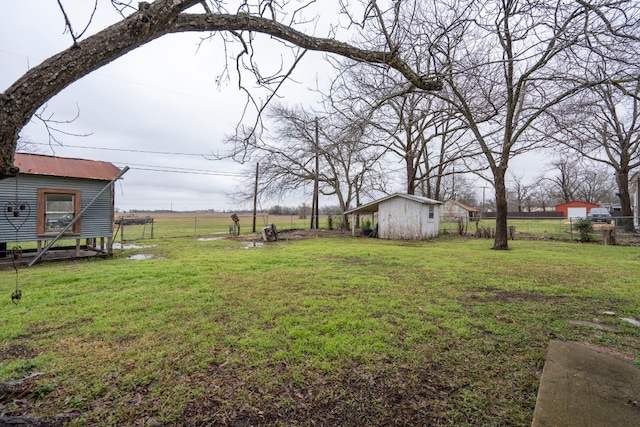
(157,108)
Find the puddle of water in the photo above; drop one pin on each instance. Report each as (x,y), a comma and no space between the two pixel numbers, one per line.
(138,257)
(121,246)
(248,245)
(208,239)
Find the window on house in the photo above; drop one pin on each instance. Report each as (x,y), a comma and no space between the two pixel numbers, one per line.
(432,212)
(56,210)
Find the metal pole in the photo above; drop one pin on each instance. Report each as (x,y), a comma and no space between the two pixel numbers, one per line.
(77,217)
(316,191)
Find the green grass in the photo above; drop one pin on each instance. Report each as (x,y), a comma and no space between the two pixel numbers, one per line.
(170,225)
(440,332)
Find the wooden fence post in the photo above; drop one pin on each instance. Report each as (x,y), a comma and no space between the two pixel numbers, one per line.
(609,236)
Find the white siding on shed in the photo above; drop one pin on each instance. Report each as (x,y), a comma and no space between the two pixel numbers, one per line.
(406,219)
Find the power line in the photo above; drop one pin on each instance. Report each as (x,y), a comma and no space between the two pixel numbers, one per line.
(169,153)
(157,168)
(173,169)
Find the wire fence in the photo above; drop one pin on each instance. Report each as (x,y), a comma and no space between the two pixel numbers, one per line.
(549,229)
(168,225)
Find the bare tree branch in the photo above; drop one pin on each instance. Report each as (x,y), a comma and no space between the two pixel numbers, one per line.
(19,102)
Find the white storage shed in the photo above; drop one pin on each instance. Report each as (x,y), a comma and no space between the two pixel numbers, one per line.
(401,216)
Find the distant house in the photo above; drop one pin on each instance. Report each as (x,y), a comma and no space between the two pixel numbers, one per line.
(402,216)
(58,197)
(454,211)
(576,209)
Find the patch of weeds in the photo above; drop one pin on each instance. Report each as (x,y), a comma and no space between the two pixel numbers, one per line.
(18,369)
(42,391)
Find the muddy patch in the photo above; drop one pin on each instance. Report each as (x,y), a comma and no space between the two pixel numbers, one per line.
(508,296)
(17,351)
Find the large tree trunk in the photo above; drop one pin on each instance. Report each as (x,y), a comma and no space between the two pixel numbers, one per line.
(502,236)
(411,175)
(622,179)
(19,102)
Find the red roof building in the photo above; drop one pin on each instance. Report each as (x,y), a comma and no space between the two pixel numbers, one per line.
(564,207)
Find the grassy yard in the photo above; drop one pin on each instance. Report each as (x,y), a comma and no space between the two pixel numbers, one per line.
(176,224)
(326,331)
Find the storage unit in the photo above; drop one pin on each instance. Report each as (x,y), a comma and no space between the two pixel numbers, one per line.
(402,216)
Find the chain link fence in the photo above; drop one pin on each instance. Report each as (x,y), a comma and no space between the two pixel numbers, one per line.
(547,229)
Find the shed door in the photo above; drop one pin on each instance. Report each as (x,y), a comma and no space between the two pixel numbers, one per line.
(577,212)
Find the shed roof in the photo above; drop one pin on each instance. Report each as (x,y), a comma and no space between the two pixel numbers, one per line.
(39,164)
(372,207)
(577,203)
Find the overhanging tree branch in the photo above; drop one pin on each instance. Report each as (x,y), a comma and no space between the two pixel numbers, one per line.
(19,102)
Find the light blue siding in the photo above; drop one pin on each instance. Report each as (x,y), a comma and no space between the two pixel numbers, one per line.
(97,221)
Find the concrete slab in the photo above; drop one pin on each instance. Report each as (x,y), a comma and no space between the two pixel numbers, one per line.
(583,387)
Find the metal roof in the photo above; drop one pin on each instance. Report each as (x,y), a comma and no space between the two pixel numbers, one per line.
(39,164)
(464,206)
(373,206)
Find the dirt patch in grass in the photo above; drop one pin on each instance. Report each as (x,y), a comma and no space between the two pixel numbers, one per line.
(406,396)
(294,234)
(17,351)
(500,295)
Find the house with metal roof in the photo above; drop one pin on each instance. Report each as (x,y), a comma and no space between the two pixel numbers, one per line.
(58,199)
(455,210)
(401,216)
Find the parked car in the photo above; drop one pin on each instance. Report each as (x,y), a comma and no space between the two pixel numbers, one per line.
(599,215)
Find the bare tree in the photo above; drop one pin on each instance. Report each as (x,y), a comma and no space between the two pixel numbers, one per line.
(287,149)
(578,178)
(597,184)
(519,193)
(410,128)
(151,20)
(605,128)
(542,197)
(416,129)
(506,63)
(565,179)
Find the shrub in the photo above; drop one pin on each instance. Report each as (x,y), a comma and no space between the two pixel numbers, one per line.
(585,228)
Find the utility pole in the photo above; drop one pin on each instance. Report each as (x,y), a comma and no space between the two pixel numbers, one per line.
(314,205)
(255,198)
(316,189)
